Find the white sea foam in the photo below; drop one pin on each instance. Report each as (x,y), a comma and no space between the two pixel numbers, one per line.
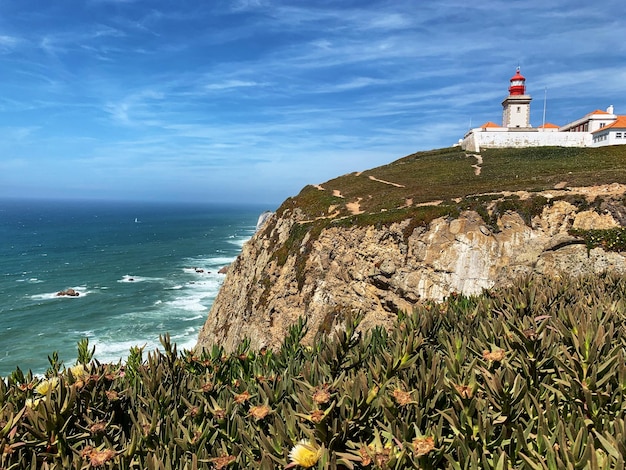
(239,241)
(108,351)
(184,335)
(114,351)
(197,296)
(197,317)
(32,280)
(188,302)
(118,315)
(129,278)
(208,265)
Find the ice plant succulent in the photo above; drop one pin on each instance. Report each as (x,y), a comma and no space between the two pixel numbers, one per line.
(402,398)
(464,390)
(242,397)
(304,454)
(259,412)
(97,458)
(46,385)
(79,372)
(423,445)
(495,356)
(321,395)
(33,403)
(223,461)
(375,453)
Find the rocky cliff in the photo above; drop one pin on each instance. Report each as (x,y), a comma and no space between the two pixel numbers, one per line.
(379,271)
(325,267)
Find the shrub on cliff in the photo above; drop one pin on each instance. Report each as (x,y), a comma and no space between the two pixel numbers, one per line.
(531,376)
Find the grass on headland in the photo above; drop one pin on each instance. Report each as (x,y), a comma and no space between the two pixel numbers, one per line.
(447,174)
(530,376)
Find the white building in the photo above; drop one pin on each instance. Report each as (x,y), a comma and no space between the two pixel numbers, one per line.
(595,129)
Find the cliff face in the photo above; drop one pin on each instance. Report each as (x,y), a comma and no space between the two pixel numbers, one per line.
(381,270)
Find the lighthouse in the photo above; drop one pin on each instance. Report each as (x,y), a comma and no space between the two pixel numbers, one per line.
(516,106)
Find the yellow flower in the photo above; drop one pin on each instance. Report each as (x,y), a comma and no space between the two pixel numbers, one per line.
(78,372)
(46,385)
(304,454)
(30,403)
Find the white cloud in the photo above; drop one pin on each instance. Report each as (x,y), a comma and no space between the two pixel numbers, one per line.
(8,43)
(231,84)
(288,90)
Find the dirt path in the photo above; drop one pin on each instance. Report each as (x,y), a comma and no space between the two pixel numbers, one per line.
(479,161)
(355,207)
(387,182)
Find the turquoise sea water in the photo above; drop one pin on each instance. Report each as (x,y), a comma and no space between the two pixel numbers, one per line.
(141,270)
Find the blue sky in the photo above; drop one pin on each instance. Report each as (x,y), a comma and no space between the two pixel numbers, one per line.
(250,100)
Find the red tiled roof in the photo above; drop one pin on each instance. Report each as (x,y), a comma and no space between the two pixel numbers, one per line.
(619,123)
(489,124)
(548,125)
(597,111)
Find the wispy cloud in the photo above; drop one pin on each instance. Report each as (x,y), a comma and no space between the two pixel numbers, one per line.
(228,84)
(8,43)
(279,93)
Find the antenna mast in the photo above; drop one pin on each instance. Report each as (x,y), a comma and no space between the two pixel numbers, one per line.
(545,98)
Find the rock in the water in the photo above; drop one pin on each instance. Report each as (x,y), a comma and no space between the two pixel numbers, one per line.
(68,292)
(224,270)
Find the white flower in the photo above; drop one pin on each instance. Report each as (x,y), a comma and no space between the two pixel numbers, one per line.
(78,372)
(30,403)
(304,454)
(45,385)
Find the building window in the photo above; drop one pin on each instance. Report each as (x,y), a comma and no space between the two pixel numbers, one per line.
(602,124)
(618,135)
(519,109)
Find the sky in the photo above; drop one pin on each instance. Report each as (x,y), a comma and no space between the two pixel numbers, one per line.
(250,100)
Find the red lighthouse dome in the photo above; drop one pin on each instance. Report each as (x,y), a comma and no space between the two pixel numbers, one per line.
(518,84)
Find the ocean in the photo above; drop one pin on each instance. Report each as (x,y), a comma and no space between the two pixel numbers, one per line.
(140,271)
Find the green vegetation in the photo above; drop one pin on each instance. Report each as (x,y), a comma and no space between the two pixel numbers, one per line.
(528,377)
(607,239)
(398,190)
(531,377)
(447,174)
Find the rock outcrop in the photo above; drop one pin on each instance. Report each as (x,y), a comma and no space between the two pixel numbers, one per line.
(68,293)
(379,271)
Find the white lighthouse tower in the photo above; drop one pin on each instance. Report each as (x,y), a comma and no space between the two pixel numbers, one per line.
(516,106)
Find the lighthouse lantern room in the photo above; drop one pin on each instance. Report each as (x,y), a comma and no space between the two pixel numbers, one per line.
(516,106)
